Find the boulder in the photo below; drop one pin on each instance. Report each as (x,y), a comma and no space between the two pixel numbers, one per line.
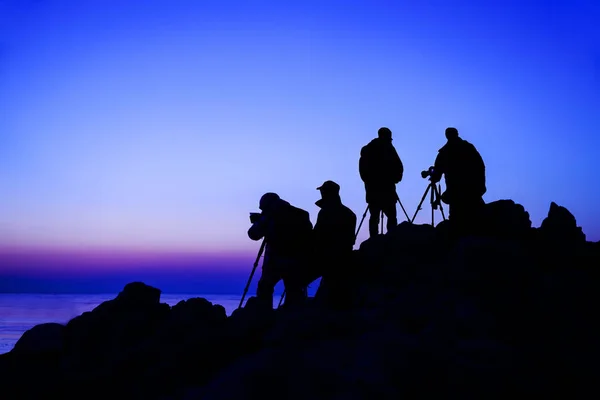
(561,227)
(43,338)
(138,294)
(505,219)
(95,338)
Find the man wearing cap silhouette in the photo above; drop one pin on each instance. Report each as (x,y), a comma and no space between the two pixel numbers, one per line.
(464,171)
(334,230)
(381,169)
(333,240)
(287,231)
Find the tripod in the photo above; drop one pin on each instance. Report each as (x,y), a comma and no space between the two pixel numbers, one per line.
(260,252)
(367,209)
(434,200)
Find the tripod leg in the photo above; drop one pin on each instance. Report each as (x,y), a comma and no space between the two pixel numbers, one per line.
(440,202)
(420,204)
(405,213)
(361,222)
(260,252)
(432,201)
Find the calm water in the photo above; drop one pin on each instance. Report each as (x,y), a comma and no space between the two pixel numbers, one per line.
(20,312)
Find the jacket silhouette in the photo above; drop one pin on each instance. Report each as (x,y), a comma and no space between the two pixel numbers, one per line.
(335,227)
(334,237)
(381,169)
(287,231)
(464,171)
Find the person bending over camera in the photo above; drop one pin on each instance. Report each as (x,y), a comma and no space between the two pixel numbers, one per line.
(464,171)
(287,231)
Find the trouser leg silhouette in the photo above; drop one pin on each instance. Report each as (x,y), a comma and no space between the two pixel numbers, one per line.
(288,271)
(266,285)
(389,210)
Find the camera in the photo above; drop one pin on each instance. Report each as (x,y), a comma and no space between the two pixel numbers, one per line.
(428,172)
(254,217)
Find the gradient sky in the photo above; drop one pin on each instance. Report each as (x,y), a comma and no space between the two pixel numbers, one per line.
(153,127)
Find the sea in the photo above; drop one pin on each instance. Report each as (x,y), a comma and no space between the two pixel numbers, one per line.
(20,312)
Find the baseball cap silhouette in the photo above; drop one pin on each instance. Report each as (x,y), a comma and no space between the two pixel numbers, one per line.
(329,187)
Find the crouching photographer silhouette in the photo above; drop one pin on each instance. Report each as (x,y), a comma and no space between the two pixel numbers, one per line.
(287,233)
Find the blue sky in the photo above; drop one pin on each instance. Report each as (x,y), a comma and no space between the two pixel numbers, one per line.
(157,125)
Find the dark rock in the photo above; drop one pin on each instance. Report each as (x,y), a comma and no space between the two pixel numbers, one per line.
(559,243)
(502,312)
(198,311)
(104,333)
(248,325)
(32,369)
(311,324)
(504,219)
(138,294)
(43,338)
(444,231)
(560,226)
(407,250)
(169,358)
(362,367)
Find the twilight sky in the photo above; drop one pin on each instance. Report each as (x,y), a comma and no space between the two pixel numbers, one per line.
(136,129)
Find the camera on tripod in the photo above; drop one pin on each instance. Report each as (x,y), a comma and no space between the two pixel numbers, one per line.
(434,192)
(254,217)
(428,172)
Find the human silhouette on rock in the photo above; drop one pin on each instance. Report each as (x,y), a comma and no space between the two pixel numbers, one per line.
(464,171)
(333,242)
(381,169)
(287,231)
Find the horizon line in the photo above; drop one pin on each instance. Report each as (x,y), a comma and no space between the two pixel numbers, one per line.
(23,249)
(116,293)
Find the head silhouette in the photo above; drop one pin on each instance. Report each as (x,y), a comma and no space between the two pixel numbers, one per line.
(384,133)
(329,189)
(451,133)
(267,201)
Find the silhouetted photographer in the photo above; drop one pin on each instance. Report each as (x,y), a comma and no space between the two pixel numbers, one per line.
(381,169)
(333,242)
(287,232)
(464,171)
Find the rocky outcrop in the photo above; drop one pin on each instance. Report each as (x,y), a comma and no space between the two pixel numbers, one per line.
(506,311)
(505,219)
(43,338)
(561,227)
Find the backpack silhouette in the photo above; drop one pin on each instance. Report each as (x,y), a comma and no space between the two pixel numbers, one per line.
(379,163)
(293,230)
(463,166)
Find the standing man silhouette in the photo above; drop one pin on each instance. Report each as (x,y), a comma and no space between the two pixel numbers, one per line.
(333,238)
(381,169)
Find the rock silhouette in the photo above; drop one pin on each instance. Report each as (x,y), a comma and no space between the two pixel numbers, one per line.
(504,312)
